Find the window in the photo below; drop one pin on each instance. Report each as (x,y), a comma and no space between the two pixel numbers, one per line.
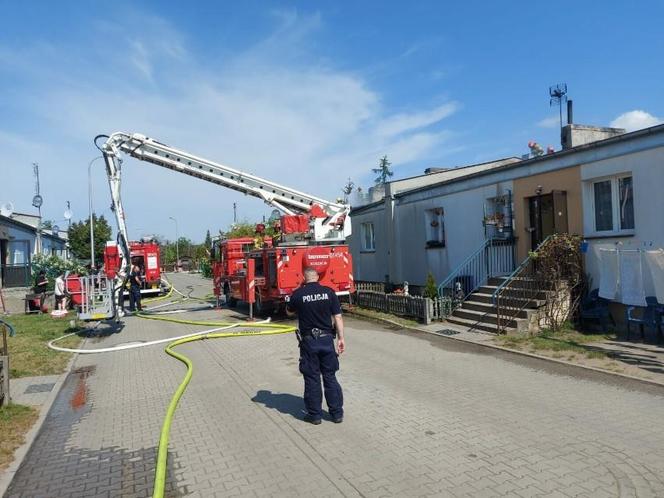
(603,208)
(626,198)
(435,227)
(368,238)
(613,204)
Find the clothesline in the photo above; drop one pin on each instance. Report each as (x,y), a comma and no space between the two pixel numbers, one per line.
(628,275)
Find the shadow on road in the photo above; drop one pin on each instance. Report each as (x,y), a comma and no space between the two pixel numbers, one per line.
(285,403)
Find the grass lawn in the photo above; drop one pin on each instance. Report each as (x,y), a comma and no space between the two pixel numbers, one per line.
(369,313)
(565,343)
(15,421)
(28,353)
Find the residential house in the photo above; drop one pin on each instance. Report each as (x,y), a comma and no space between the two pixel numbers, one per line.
(605,185)
(18,243)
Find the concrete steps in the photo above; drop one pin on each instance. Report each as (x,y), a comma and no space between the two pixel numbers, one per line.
(479,312)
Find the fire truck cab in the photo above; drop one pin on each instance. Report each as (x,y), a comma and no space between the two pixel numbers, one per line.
(145,254)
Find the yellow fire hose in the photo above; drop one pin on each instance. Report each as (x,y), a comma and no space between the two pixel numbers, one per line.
(259,328)
(162,454)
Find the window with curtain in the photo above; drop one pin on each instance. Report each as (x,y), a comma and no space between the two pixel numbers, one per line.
(435,227)
(613,204)
(603,206)
(626,198)
(368,238)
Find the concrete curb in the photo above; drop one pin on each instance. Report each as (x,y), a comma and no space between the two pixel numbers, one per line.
(8,474)
(507,350)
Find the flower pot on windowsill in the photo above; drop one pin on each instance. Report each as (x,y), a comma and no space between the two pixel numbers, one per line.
(431,244)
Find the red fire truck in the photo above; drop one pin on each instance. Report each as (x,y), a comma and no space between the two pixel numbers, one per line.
(145,254)
(265,276)
(313,230)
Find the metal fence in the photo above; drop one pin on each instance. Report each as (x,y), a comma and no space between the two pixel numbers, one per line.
(16,275)
(421,308)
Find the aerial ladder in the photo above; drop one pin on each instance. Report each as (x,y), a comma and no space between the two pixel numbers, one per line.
(330,220)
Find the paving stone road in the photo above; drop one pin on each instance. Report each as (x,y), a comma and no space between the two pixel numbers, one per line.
(425,416)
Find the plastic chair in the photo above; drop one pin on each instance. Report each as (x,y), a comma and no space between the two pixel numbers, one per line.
(651,317)
(596,308)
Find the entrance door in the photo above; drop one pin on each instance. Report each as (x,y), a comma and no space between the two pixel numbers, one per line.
(548,215)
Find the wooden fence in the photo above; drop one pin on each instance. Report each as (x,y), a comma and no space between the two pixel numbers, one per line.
(421,308)
(4,366)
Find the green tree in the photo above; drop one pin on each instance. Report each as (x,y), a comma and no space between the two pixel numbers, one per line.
(79,238)
(430,288)
(241,229)
(383,170)
(208,239)
(53,266)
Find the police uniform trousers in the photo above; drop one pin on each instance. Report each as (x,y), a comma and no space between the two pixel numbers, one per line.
(135,298)
(318,358)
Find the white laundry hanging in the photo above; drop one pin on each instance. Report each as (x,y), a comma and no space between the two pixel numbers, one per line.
(632,291)
(609,274)
(655,265)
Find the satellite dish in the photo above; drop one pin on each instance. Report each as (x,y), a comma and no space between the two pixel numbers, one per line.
(7,209)
(68,214)
(55,229)
(37,201)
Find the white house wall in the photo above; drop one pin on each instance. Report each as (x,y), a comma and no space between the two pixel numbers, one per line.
(464,231)
(647,170)
(370,265)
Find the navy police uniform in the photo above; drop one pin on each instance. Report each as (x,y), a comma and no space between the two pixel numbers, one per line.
(135,291)
(315,305)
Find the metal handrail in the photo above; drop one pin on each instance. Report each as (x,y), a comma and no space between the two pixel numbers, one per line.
(480,266)
(457,270)
(524,294)
(517,270)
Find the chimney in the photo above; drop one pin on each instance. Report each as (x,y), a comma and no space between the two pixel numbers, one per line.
(574,135)
(570,117)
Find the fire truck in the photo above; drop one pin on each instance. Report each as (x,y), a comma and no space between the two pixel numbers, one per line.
(268,274)
(143,253)
(312,230)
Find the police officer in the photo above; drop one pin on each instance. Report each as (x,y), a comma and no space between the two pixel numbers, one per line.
(135,289)
(317,307)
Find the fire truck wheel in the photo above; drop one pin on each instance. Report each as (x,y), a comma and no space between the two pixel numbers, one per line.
(261,307)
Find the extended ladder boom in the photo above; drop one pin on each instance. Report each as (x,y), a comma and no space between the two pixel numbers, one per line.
(331,223)
(286,199)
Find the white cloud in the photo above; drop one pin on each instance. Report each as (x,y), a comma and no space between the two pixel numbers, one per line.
(550,122)
(272,109)
(401,123)
(635,120)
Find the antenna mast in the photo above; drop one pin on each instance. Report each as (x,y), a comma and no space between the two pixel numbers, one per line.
(558,95)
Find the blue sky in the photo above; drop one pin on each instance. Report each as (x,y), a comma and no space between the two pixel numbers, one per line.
(303,93)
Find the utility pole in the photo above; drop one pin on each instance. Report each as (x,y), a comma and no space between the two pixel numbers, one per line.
(234,213)
(37,202)
(91,214)
(177,245)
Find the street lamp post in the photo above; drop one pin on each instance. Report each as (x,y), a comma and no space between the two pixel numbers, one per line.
(92,225)
(177,245)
